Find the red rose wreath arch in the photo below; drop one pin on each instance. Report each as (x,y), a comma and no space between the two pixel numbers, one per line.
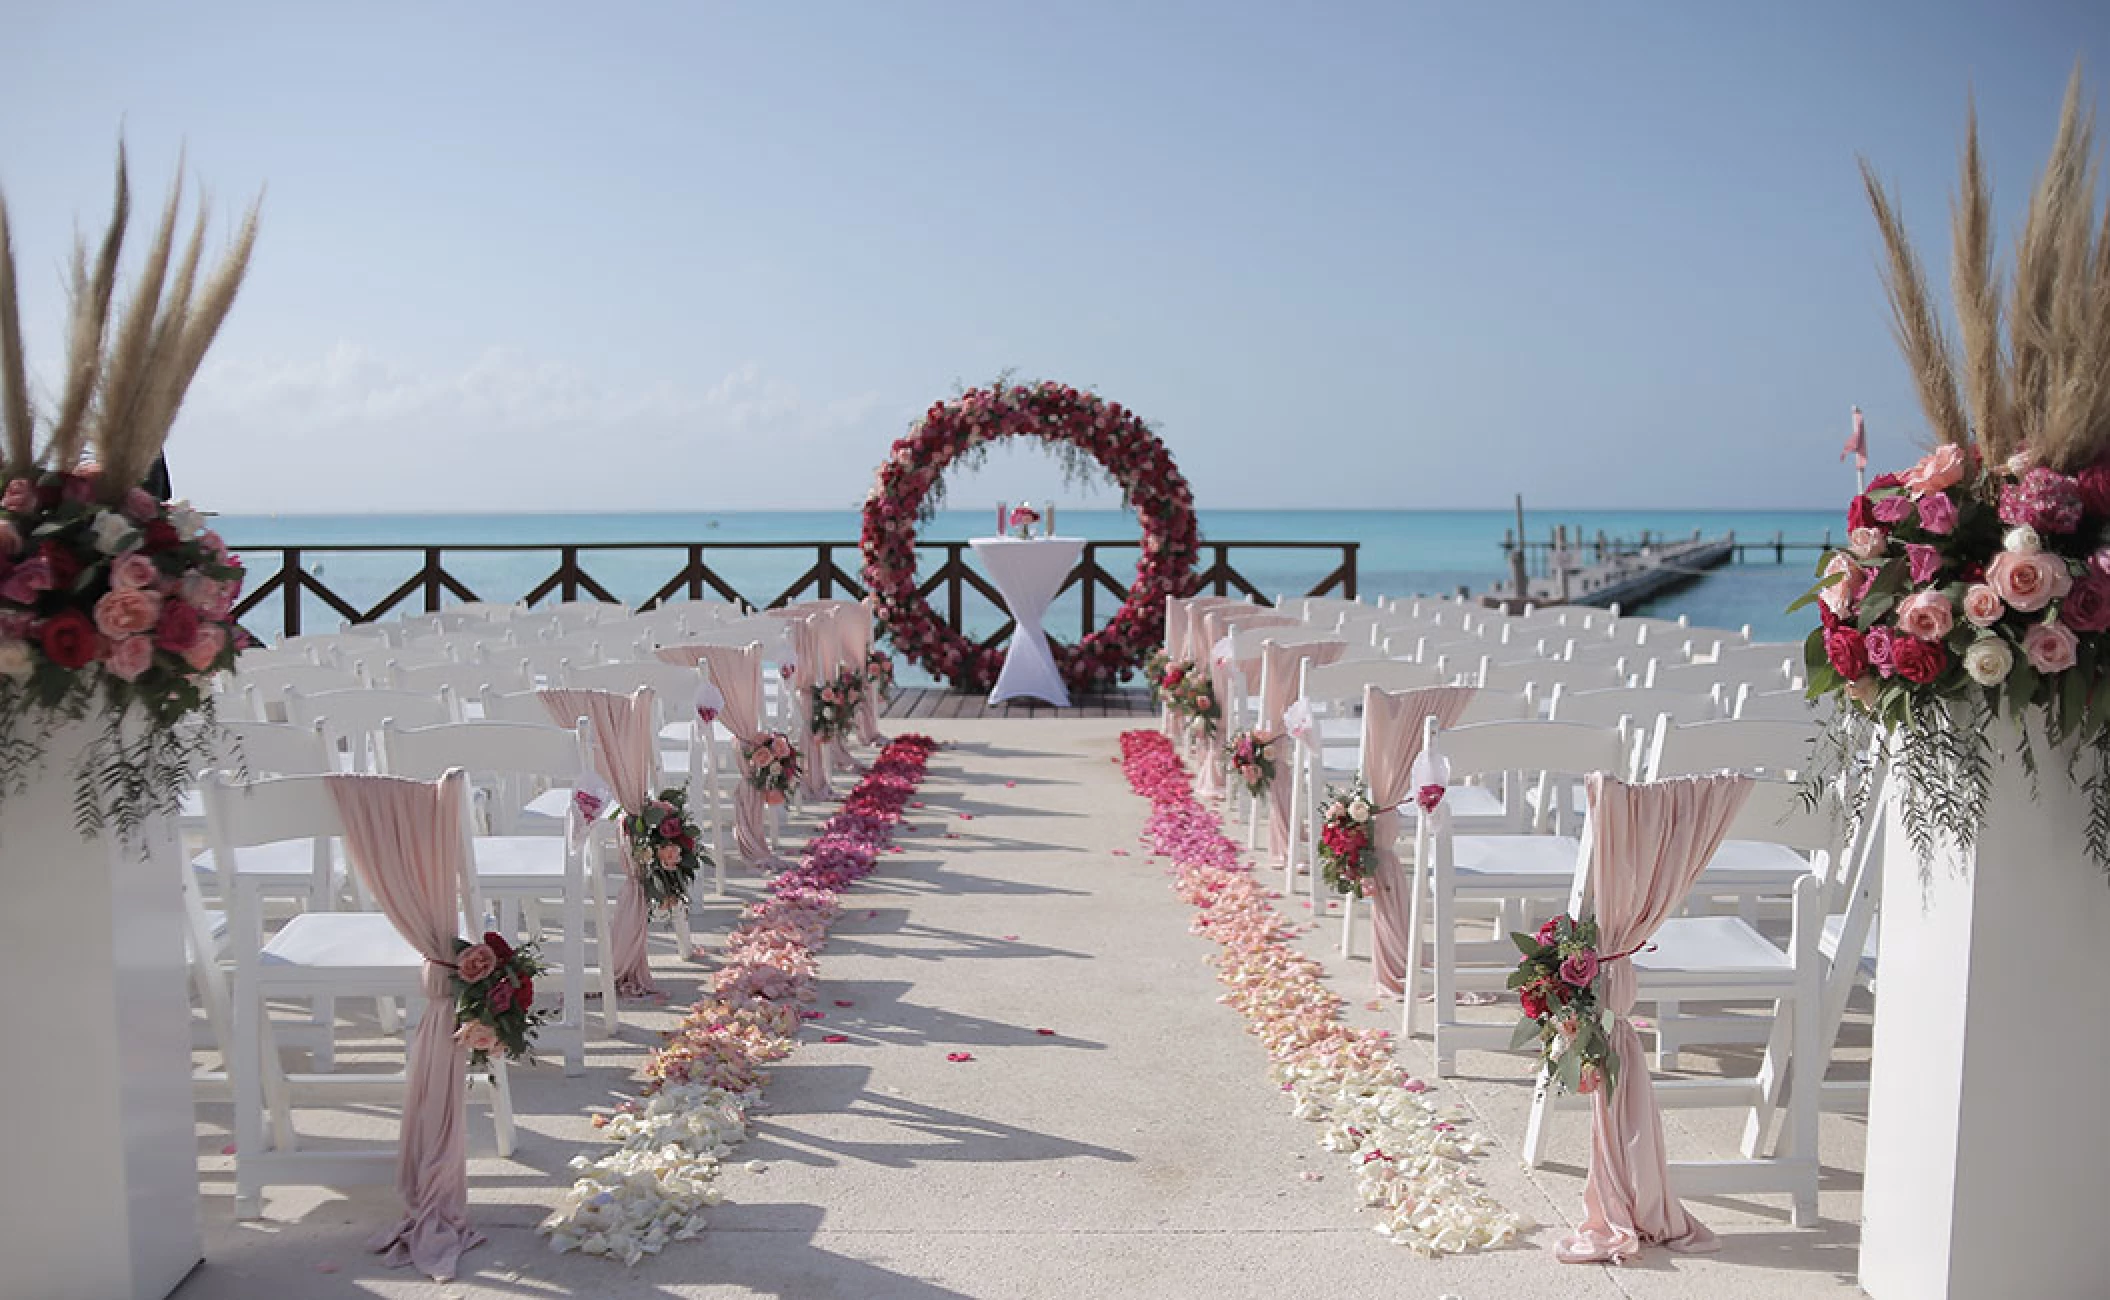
(1054,413)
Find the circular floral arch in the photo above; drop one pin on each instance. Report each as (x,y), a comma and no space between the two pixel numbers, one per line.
(1054,413)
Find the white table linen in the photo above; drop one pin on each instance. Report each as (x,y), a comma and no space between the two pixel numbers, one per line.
(1029,573)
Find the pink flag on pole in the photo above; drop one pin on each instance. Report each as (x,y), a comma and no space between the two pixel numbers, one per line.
(1857,442)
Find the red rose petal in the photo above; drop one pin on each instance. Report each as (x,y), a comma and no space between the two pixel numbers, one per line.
(957,1057)
(835,1038)
(1045,1033)
(844,1002)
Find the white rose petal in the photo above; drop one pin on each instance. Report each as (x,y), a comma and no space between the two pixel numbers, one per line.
(15,660)
(1988,661)
(110,531)
(185,519)
(2023,540)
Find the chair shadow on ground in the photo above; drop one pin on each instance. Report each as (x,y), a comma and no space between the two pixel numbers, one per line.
(933,1134)
(859,932)
(878,1015)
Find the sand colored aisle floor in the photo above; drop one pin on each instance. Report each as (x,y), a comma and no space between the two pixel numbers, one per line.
(1137,1150)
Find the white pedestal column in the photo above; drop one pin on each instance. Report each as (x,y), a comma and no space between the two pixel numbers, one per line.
(1989,1129)
(99,1164)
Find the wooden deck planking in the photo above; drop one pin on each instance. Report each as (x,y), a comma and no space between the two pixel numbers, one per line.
(934,702)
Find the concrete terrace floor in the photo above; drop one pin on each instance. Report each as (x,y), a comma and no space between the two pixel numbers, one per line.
(1139,1151)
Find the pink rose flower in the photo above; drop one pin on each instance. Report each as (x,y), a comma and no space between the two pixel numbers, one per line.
(127,613)
(2087,607)
(1579,968)
(133,572)
(29,580)
(1926,615)
(130,657)
(206,650)
(1937,471)
(19,497)
(1867,544)
(1925,561)
(477,1036)
(779,746)
(2050,647)
(1982,605)
(139,505)
(1938,512)
(1844,596)
(1892,509)
(2100,561)
(2029,580)
(1879,642)
(475,962)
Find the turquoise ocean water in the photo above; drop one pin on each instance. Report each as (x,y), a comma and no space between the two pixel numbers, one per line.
(1402,552)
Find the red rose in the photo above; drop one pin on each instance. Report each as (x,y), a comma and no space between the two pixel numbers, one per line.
(670,828)
(1549,933)
(160,535)
(1534,1005)
(501,996)
(178,629)
(1848,651)
(2087,607)
(1917,660)
(1881,481)
(1861,513)
(65,565)
(524,996)
(496,942)
(69,640)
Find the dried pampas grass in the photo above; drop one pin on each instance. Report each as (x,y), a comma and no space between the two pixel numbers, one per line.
(126,373)
(2035,372)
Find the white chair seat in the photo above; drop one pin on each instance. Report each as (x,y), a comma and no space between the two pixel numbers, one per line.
(1510,865)
(1753,862)
(1828,942)
(531,859)
(1722,948)
(1472,801)
(339,941)
(552,803)
(292,859)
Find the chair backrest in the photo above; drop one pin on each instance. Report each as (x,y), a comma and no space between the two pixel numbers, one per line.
(1789,705)
(1677,676)
(1638,705)
(350,718)
(265,687)
(272,749)
(674,684)
(1513,754)
(1777,813)
(1544,675)
(518,760)
(1342,683)
(1749,745)
(465,680)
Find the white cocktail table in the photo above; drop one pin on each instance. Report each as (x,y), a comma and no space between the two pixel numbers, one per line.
(1029,573)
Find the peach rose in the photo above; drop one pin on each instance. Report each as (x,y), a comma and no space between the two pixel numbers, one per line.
(1982,605)
(1867,543)
(205,651)
(2028,580)
(1927,615)
(131,656)
(127,612)
(2050,647)
(477,1037)
(134,572)
(1937,471)
(475,962)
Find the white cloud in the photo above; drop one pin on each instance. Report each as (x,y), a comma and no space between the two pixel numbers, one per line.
(355,430)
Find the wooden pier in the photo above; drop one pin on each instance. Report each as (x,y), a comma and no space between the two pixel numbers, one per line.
(1617,574)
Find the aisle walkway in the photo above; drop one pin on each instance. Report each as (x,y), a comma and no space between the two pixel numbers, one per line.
(1138,1150)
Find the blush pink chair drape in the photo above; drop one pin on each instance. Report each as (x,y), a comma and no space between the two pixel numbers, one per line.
(626,753)
(1392,730)
(1647,844)
(1282,670)
(855,625)
(809,650)
(405,839)
(737,673)
(1206,745)
(832,626)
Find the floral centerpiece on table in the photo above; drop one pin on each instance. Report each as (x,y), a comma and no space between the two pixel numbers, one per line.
(831,706)
(1344,838)
(1247,753)
(494,998)
(1021,520)
(771,763)
(114,605)
(663,849)
(1976,583)
(1556,982)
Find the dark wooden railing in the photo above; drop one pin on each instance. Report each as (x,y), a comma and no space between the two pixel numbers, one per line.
(833,573)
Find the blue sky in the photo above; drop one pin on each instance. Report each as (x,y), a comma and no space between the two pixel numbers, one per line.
(543,256)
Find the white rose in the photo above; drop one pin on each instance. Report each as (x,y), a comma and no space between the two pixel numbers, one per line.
(110,530)
(1988,661)
(2021,462)
(2023,540)
(186,520)
(15,660)
(1360,810)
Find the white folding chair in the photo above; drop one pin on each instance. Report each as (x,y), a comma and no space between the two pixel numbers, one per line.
(688,750)
(351,718)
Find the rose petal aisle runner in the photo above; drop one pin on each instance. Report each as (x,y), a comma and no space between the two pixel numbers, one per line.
(1410,1158)
(654,1187)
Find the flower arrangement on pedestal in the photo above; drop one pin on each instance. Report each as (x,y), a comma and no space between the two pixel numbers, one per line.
(1556,983)
(1344,838)
(1977,582)
(494,998)
(114,606)
(771,763)
(663,849)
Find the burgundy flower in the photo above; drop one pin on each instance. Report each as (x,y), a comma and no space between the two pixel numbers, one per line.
(1549,933)
(1881,481)
(1579,969)
(1920,661)
(1847,650)
(69,640)
(2045,499)
(2087,606)
(2094,486)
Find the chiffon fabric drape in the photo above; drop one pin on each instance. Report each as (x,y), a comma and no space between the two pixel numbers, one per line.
(1208,755)
(1282,669)
(1180,632)
(854,625)
(626,753)
(737,673)
(406,841)
(809,656)
(1230,677)
(1393,724)
(1647,844)
(837,637)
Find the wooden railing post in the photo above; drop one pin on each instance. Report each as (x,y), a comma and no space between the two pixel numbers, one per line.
(289,590)
(695,572)
(827,570)
(568,566)
(1348,553)
(952,583)
(1090,571)
(432,579)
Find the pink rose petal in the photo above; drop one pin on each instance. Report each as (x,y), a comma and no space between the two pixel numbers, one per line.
(835,1038)
(957,1057)
(1010,937)
(844,1002)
